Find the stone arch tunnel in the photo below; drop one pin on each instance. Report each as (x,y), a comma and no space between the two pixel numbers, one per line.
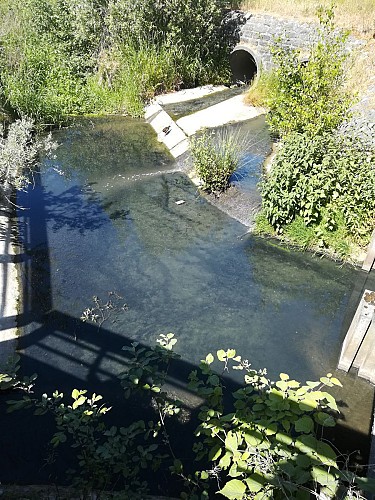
(244,64)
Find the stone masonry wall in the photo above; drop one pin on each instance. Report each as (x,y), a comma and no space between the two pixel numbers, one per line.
(261,29)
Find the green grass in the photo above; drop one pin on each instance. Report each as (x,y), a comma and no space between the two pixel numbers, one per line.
(337,243)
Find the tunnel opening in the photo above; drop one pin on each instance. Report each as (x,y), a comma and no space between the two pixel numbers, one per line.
(243,65)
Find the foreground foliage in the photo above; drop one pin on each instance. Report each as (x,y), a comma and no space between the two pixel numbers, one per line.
(270,444)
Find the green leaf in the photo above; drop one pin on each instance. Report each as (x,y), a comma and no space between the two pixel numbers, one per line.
(253,437)
(284,376)
(233,471)
(303,495)
(366,484)
(79,402)
(325,419)
(336,381)
(225,460)
(330,401)
(214,453)
(255,483)
(293,384)
(312,385)
(325,381)
(209,359)
(283,438)
(323,477)
(307,404)
(283,385)
(75,393)
(303,461)
(271,429)
(221,355)
(306,444)
(234,490)
(231,441)
(326,453)
(304,424)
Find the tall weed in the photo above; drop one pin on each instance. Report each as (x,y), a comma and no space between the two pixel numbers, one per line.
(144,71)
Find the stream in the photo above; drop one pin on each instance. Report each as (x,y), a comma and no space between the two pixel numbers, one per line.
(102,220)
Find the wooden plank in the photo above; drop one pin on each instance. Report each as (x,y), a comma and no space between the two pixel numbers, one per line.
(370,257)
(365,347)
(367,367)
(356,333)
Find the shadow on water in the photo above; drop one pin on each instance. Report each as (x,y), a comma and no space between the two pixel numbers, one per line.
(180,268)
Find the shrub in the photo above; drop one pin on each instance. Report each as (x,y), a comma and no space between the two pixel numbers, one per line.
(267,446)
(19,150)
(215,158)
(327,180)
(310,96)
(195,30)
(42,86)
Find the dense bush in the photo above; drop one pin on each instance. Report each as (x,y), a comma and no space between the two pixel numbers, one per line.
(320,191)
(327,180)
(62,57)
(195,31)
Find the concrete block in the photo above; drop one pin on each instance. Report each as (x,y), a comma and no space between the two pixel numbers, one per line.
(180,148)
(231,110)
(152,109)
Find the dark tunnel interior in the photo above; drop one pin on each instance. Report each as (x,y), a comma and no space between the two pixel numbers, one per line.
(243,66)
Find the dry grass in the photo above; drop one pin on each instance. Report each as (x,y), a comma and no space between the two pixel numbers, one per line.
(356,15)
(362,72)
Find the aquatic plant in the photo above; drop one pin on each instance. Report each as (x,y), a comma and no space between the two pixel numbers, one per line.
(216,156)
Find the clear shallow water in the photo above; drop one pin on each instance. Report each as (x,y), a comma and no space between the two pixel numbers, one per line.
(92,227)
